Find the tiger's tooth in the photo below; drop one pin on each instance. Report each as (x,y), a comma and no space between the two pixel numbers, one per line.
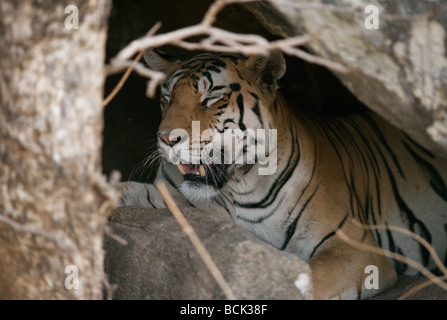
(202,170)
(180,168)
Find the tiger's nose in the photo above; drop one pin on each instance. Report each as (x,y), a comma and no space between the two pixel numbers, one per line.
(170,140)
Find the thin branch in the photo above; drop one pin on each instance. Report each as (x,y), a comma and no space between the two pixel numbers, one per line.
(109,232)
(158,41)
(126,75)
(218,40)
(410,262)
(189,231)
(422,286)
(413,235)
(109,288)
(123,79)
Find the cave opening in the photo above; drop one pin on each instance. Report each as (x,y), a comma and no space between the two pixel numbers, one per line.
(131,118)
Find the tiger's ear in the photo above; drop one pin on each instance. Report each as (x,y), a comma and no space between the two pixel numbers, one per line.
(267,69)
(161,61)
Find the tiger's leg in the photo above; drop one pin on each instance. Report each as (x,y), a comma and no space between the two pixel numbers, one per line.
(339,270)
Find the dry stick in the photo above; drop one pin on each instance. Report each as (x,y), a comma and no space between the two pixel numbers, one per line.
(392,255)
(413,235)
(189,231)
(246,44)
(425,244)
(129,69)
(421,286)
(122,81)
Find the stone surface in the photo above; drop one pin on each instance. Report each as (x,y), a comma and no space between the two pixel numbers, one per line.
(401,68)
(159,261)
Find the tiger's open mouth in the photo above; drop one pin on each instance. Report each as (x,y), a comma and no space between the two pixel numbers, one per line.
(213,174)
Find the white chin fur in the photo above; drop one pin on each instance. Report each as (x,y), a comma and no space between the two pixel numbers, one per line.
(195,192)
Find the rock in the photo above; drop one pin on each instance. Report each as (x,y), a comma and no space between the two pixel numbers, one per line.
(159,261)
(401,67)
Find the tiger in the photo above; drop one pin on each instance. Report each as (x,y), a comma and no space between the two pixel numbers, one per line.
(323,174)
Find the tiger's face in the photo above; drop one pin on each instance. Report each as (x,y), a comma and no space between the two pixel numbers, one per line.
(216,118)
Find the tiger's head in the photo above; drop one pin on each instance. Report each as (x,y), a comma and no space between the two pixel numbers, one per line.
(217,112)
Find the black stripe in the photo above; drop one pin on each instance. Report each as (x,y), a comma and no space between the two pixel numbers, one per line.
(413,222)
(216,88)
(417,145)
(240,104)
(257,112)
(436,182)
(148,197)
(275,105)
(254,95)
(213,68)
(341,141)
(268,215)
(234,59)
(382,139)
(370,212)
(282,179)
(205,101)
(219,63)
(235,86)
(208,76)
(359,293)
(292,226)
(328,236)
(398,265)
(445,257)
(222,106)
(229,120)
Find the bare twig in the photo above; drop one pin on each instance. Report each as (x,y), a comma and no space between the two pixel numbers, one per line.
(126,75)
(425,244)
(220,40)
(217,40)
(109,288)
(422,286)
(109,232)
(189,231)
(410,262)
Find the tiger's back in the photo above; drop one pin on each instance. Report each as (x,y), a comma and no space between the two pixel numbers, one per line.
(392,181)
